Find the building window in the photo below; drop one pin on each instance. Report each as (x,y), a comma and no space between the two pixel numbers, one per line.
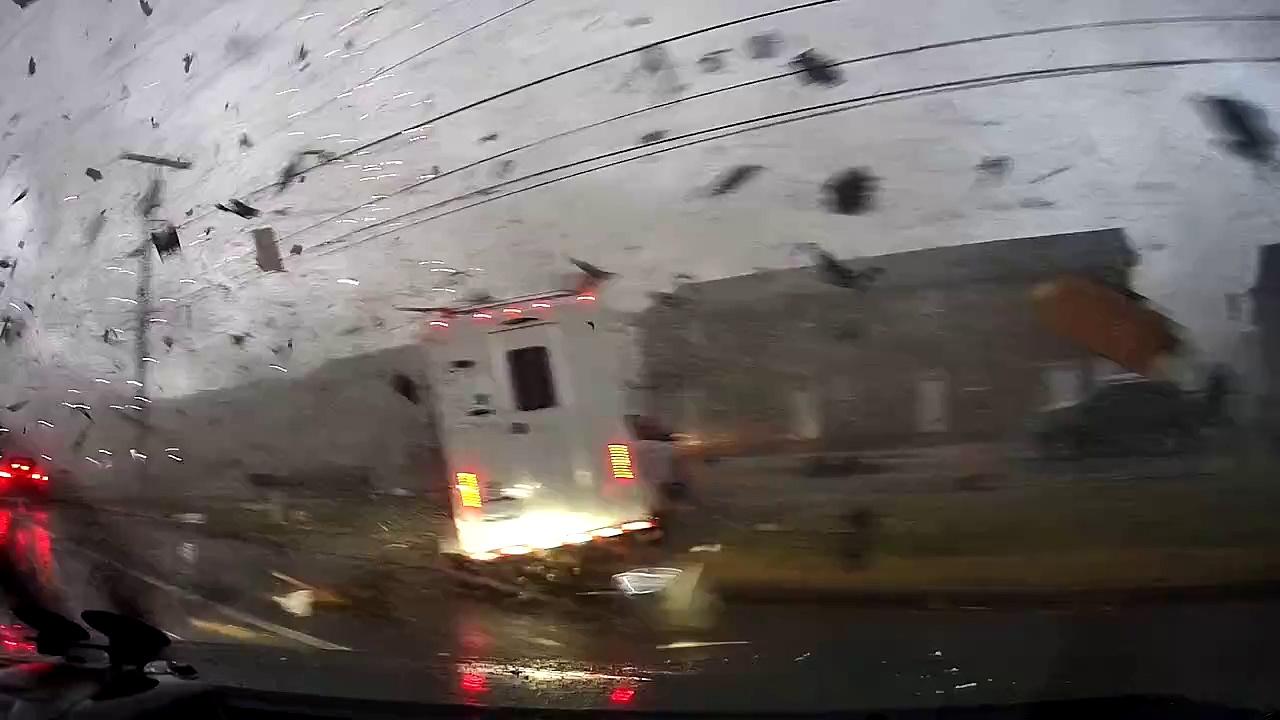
(531,381)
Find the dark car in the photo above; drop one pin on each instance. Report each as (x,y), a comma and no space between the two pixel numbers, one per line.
(22,476)
(1135,417)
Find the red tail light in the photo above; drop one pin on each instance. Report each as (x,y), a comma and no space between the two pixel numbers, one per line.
(468,489)
(622,695)
(620,463)
(472,682)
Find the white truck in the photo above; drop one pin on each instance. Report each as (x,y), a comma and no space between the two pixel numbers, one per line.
(530,400)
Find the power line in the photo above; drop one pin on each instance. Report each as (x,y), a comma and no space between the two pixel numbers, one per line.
(784,118)
(383,71)
(420,53)
(761,122)
(865,58)
(455,36)
(540,81)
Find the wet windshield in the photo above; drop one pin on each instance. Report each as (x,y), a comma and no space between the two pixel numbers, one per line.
(582,346)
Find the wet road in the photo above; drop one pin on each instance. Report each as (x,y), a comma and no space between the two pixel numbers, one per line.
(414,634)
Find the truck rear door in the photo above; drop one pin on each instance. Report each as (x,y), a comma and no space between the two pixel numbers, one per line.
(535,410)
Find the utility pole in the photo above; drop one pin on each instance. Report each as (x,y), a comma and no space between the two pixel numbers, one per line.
(142,351)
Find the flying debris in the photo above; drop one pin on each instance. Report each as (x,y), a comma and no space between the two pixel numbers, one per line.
(238,208)
(817,69)
(176,163)
(267,249)
(591,271)
(150,200)
(592,276)
(166,241)
(764,45)
(734,178)
(1243,126)
(851,192)
(297,168)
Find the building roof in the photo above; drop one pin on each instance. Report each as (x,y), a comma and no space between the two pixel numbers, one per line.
(1028,258)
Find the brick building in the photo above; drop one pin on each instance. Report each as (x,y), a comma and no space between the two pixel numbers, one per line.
(945,347)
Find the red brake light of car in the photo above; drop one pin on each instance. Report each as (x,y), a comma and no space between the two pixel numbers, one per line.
(468,489)
(473,682)
(622,695)
(620,463)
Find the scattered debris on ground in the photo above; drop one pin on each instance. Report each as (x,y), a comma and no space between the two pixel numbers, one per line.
(146,7)
(295,250)
(93,173)
(653,136)
(186,62)
(245,142)
(31,66)
(489,138)
(21,195)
